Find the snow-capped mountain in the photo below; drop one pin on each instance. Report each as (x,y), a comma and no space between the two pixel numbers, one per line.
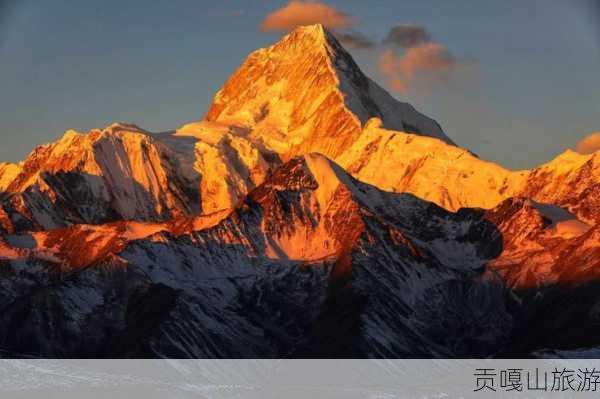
(118,173)
(571,180)
(301,95)
(306,94)
(309,214)
(442,173)
(228,163)
(125,173)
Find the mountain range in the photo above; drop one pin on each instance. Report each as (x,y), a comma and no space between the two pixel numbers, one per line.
(307,214)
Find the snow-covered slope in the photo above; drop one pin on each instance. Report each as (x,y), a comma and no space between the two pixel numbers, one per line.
(570,180)
(125,173)
(453,177)
(8,172)
(306,94)
(543,245)
(445,174)
(229,163)
(118,173)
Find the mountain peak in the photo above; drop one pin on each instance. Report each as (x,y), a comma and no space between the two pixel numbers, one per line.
(316,32)
(114,129)
(306,94)
(307,37)
(314,29)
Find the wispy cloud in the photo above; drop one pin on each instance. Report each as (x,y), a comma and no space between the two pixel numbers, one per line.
(429,61)
(422,60)
(411,55)
(389,66)
(297,13)
(589,144)
(355,39)
(407,35)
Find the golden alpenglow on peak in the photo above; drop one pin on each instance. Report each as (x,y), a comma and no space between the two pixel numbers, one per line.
(306,94)
(305,36)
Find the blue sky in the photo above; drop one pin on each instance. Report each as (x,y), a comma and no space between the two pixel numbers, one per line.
(534,89)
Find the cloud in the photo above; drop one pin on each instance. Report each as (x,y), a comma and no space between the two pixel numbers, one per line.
(589,144)
(354,39)
(307,12)
(429,60)
(298,12)
(407,36)
(389,66)
(426,57)
(423,62)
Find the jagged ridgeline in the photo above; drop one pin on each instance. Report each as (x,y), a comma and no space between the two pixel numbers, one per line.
(309,214)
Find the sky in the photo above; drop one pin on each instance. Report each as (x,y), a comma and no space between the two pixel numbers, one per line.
(515,81)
